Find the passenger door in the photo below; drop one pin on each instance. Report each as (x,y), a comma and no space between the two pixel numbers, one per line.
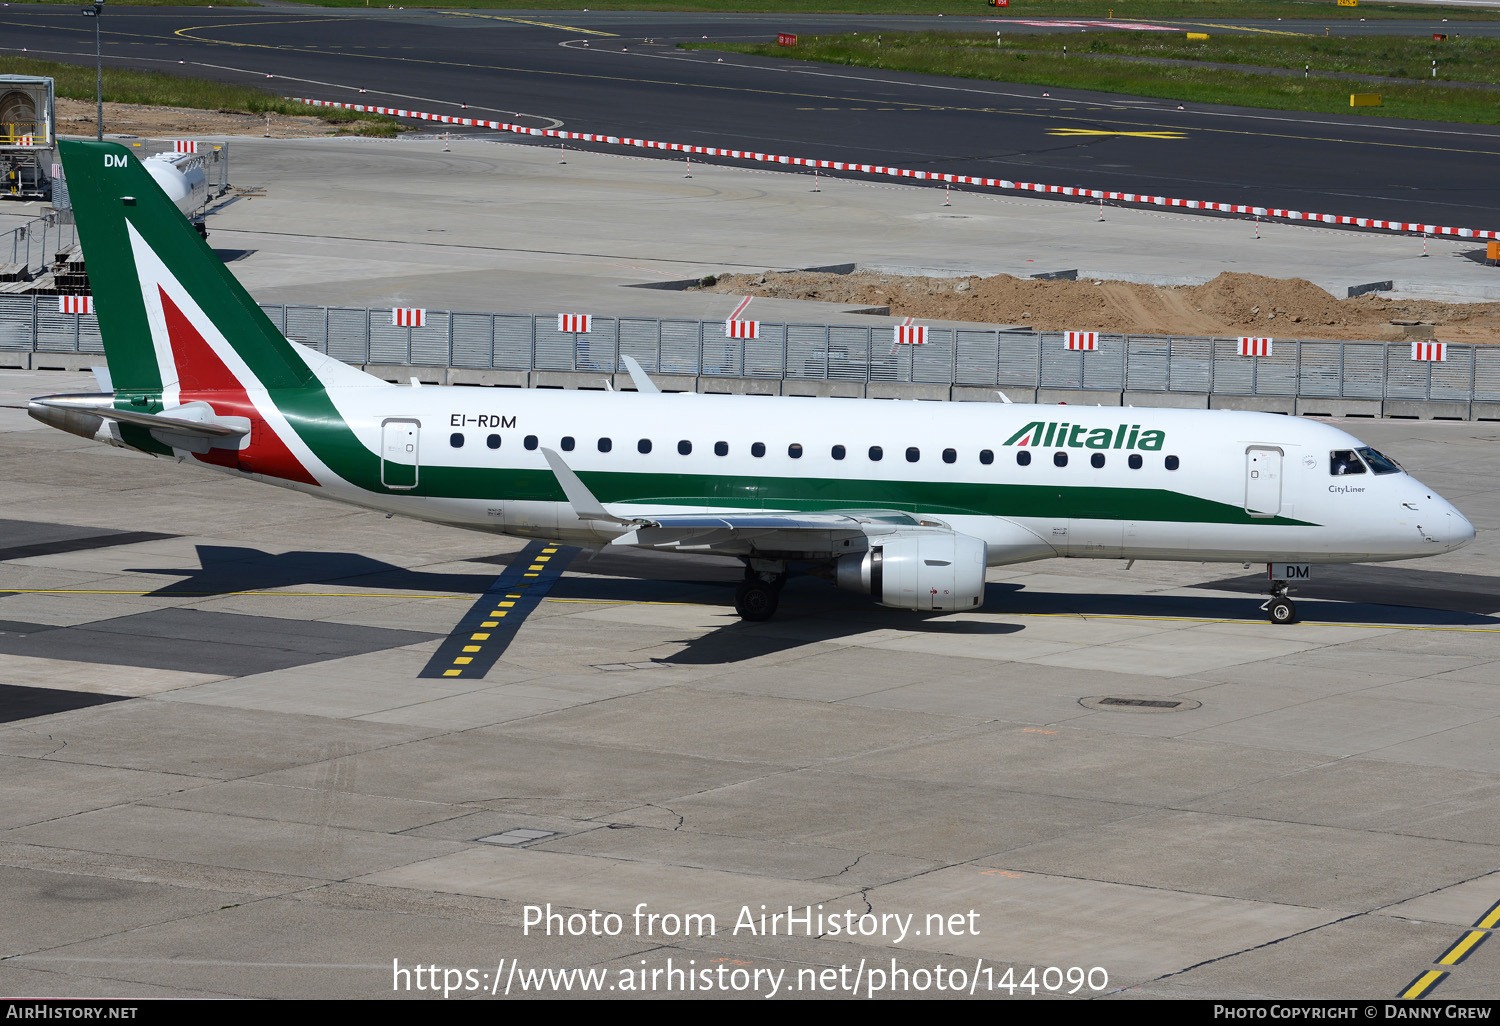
(398,454)
(1263,480)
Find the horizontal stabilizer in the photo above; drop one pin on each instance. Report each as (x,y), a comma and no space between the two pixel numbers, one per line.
(224,428)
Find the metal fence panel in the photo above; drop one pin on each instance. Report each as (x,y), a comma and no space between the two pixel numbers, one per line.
(1148,368)
(1320,369)
(1277,374)
(89,338)
(681,342)
(978,354)
(349,335)
(641,338)
(597,349)
(1453,378)
(471,339)
(1061,367)
(1364,370)
(806,354)
(1191,368)
(277,313)
(1487,374)
(849,356)
(429,343)
(1017,358)
(513,341)
(556,350)
(1104,368)
(55,332)
(1233,374)
(1407,378)
(308,324)
(15,322)
(932,363)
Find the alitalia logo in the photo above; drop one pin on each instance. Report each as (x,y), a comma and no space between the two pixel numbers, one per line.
(1078,436)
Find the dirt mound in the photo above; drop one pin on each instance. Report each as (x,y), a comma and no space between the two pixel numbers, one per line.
(1231,304)
(76,118)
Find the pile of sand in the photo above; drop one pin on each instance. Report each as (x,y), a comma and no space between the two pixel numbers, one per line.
(1230,305)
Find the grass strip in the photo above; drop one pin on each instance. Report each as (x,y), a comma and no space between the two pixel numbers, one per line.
(157,89)
(978,57)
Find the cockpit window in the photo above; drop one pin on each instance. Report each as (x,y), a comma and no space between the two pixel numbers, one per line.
(1343,461)
(1379,461)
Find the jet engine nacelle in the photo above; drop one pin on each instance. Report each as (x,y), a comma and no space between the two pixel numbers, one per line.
(931,570)
(182,178)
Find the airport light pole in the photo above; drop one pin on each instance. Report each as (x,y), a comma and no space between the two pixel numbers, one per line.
(94,12)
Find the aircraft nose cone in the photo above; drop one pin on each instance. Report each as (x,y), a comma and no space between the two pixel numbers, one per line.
(1460,531)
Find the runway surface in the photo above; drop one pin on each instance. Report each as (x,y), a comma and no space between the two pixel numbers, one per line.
(595,73)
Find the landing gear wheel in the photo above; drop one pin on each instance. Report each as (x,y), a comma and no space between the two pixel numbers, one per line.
(1281,610)
(756,600)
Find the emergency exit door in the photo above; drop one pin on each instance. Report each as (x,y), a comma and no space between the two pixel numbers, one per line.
(1262,480)
(398,454)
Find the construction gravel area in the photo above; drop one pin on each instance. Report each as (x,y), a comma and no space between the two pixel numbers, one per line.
(78,117)
(1231,304)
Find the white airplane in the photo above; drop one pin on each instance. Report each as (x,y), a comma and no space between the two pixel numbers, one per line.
(907,502)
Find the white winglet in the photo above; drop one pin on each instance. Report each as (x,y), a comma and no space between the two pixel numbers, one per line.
(581,499)
(643,384)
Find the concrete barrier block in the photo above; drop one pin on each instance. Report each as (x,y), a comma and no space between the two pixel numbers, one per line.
(1077,397)
(1338,408)
(1167,400)
(1255,403)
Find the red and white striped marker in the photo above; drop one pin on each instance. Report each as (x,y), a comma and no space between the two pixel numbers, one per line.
(1435,352)
(911,334)
(1255,346)
(26,140)
(741,329)
(408,317)
(578,324)
(1085,340)
(75,304)
(185,146)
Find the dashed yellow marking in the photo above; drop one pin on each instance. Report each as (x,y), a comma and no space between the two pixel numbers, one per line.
(1422,984)
(531,575)
(505,605)
(536,566)
(481,636)
(528,21)
(471,648)
(1490,919)
(465,660)
(1465,944)
(453,673)
(490,623)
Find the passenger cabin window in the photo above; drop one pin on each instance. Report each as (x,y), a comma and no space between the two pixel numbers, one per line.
(876,453)
(1173,463)
(1059,459)
(721,448)
(566,443)
(1135,461)
(913,454)
(1343,461)
(685,447)
(493,441)
(1097,460)
(456,440)
(643,446)
(605,445)
(987,457)
(838,452)
(1023,458)
(1380,462)
(950,455)
(794,450)
(530,441)
(758,449)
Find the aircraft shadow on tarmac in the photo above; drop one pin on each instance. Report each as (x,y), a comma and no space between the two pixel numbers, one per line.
(1338,594)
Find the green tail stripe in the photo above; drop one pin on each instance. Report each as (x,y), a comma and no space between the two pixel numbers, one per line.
(109,188)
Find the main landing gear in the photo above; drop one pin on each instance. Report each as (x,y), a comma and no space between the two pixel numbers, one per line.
(759,593)
(1280,609)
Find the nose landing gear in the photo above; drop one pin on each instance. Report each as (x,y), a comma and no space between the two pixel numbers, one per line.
(1280,609)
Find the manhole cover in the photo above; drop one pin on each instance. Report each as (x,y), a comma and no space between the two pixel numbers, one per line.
(1138,703)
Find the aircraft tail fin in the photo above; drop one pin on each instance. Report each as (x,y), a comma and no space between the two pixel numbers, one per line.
(174,320)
